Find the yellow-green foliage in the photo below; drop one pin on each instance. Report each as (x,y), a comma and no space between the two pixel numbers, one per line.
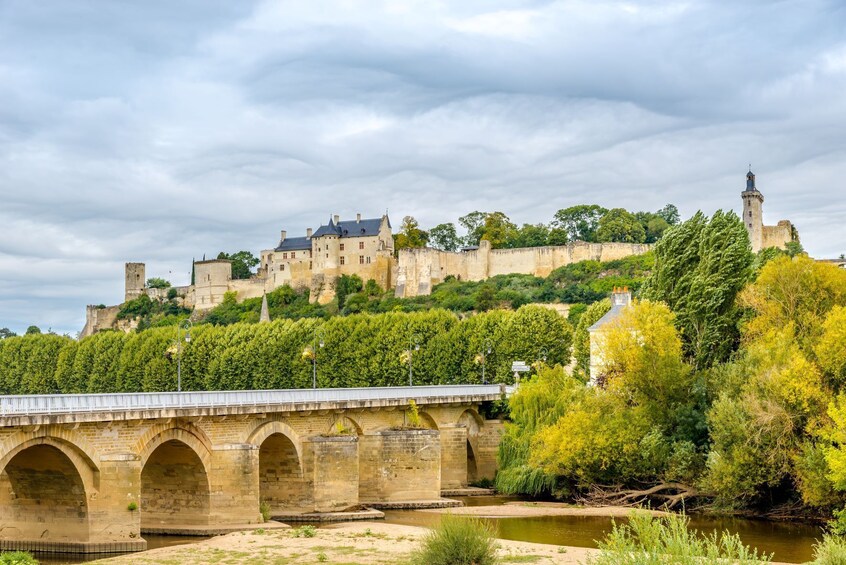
(646,540)
(458,540)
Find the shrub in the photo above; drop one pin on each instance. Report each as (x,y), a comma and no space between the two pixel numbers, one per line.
(17,558)
(305,532)
(646,540)
(830,551)
(264,509)
(458,541)
(132,506)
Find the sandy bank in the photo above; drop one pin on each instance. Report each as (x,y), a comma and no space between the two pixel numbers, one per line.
(533,509)
(359,543)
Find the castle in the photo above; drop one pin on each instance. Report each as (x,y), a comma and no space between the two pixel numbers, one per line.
(365,247)
(762,236)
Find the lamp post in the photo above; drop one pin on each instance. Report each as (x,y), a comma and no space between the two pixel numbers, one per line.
(318,341)
(413,345)
(542,354)
(186,325)
(487,347)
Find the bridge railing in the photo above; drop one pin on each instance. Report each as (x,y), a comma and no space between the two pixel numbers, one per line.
(127,402)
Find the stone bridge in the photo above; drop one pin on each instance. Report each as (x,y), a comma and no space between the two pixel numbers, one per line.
(92,473)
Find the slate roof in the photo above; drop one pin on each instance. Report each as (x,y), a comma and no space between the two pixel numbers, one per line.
(351,228)
(294,244)
(609,316)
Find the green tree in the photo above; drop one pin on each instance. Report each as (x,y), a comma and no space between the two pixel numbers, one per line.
(579,222)
(410,235)
(345,286)
(620,226)
(530,235)
(498,229)
(444,237)
(700,267)
(6,332)
(474,223)
(33,330)
(243,263)
(670,214)
(156,282)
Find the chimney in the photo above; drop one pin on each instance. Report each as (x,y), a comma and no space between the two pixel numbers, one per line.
(283,233)
(308,233)
(337,219)
(621,296)
(358,218)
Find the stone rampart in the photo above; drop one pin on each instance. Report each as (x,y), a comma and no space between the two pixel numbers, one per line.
(419,270)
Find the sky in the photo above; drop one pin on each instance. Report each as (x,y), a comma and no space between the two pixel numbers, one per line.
(163,131)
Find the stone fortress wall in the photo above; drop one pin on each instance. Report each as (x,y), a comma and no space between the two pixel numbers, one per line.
(418,270)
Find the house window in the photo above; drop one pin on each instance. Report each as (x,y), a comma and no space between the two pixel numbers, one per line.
(284,255)
(293,254)
(309,264)
(361,259)
(342,247)
(342,260)
(282,268)
(368,260)
(361,245)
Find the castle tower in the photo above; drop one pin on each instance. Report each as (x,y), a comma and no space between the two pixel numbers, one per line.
(135,281)
(753,212)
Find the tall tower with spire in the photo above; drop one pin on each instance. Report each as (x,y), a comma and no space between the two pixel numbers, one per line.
(753,212)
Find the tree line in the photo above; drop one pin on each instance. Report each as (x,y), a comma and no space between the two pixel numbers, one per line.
(357,350)
(586,222)
(723,387)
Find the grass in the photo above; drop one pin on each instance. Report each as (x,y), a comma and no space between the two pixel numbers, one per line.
(304,532)
(647,540)
(17,558)
(830,551)
(458,541)
(264,509)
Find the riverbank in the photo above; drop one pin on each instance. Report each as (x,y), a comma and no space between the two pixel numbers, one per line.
(359,543)
(521,509)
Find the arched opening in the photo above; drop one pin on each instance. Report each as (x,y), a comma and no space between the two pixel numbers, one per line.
(174,487)
(42,496)
(472,472)
(281,481)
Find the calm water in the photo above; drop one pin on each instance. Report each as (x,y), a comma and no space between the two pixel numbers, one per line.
(791,543)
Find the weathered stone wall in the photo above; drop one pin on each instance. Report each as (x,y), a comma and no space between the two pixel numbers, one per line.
(195,468)
(418,270)
(777,236)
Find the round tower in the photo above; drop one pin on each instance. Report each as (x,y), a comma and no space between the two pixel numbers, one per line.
(753,212)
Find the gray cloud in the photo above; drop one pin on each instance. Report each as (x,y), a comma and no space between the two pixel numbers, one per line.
(159,132)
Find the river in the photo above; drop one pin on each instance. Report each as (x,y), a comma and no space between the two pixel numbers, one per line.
(789,542)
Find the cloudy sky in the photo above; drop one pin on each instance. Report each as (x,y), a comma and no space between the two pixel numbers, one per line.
(158,131)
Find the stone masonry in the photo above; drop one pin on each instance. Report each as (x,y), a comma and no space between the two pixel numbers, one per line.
(96,482)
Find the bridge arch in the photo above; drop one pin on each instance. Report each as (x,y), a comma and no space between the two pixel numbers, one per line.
(473,422)
(345,424)
(282,479)
(46,472)
(175,488)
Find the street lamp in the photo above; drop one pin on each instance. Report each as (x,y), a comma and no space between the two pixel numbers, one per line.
(487,347)
(318,341)
(186,325)
(413,345)
(542,354)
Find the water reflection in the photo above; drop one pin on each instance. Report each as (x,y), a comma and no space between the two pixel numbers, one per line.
(789,542)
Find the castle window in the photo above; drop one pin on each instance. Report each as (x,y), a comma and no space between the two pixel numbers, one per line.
(284,255)
(361,245)
(750,213)
(368,260)
(309,264)
(342,260)
(750,225)
(282,268)
(361,259)
(293,254)
(342,247)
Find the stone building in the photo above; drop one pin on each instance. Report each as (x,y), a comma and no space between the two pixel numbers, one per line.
(762,236)
(621,299)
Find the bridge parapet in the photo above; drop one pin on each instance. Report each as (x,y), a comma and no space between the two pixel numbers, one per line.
(77,408)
